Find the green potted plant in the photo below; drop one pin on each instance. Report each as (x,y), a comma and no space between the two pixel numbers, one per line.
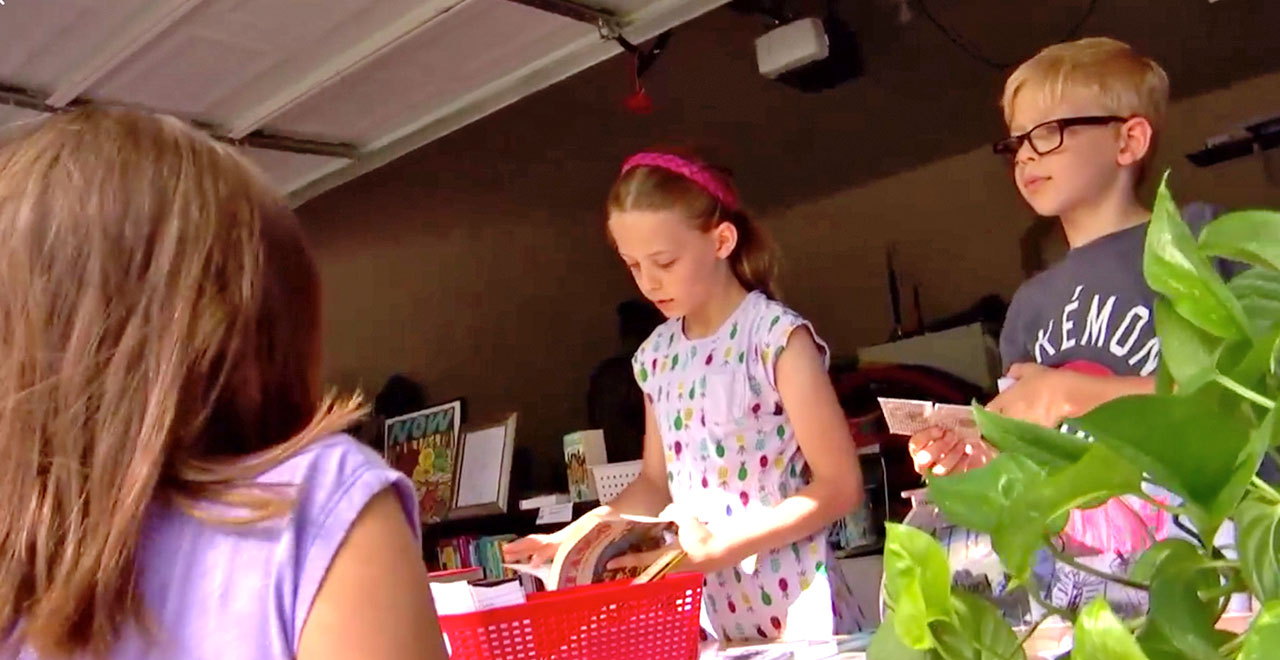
(1202,436)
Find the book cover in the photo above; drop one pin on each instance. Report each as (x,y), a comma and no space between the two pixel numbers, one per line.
(423,445)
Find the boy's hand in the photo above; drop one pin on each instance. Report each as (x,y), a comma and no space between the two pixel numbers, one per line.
(1047,396)
(937,452)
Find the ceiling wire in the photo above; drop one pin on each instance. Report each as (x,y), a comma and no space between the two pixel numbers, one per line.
(976,53)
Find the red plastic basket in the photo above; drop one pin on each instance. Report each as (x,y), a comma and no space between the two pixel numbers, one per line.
(611,621)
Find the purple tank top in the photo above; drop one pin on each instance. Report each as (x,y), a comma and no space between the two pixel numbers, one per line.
(220,592)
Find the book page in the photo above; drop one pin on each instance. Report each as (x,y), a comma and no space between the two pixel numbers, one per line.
(584,560)
(543,572)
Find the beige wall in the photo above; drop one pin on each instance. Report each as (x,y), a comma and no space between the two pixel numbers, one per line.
(470,289)
(479,266)
(957,222)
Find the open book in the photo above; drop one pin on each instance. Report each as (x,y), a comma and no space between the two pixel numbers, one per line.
(584,557)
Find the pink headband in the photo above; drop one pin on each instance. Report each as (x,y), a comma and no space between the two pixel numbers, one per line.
(693,171)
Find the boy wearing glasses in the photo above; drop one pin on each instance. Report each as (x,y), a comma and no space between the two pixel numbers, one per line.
(1083,120)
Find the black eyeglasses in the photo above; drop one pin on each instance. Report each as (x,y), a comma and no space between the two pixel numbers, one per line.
(1047,137)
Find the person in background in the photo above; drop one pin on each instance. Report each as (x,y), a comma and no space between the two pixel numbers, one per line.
(1083,118)
(615,402)
(171,480)
(745,445)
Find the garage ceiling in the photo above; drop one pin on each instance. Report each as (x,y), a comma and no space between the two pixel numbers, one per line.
(315,91)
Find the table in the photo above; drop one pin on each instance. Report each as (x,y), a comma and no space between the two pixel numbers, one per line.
(1050,640)
(843,647)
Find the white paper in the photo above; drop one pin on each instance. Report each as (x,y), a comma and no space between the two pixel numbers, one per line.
(463,598)
(543,500)
(505,594)
(481,472)
(453,598)
(908,417)
(556,513)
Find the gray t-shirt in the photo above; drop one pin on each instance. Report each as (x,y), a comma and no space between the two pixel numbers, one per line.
(1094,306)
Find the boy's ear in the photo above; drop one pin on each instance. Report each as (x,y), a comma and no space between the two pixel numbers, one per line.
(1136,136)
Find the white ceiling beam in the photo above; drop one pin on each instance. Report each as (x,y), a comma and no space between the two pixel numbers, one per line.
(338,66)
(141,30)
(576,56)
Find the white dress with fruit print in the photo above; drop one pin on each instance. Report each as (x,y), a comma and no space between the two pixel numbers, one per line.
(731,451)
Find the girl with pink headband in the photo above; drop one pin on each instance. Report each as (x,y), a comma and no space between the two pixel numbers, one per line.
(746,447)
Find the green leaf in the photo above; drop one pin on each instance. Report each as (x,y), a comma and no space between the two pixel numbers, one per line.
(886,644)
(1164,379)
(1100,635)
(1258,291)
(1187,351)
(1094,479)
(1174,267)
(1262,641)
(1183,442)
(1016,539)
(1047,448)
(952,643)
(1249,362)
(1145,567)
(1176,608)
(985,628)
(1158,646)
(917,583)
(1247,463)
(1258,544)
(1023,525)
(975,499)
(1249,236)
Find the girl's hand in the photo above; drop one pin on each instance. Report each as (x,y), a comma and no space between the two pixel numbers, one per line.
(534,549)
(703,552)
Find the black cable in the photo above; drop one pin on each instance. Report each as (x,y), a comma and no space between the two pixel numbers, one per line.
(972,51)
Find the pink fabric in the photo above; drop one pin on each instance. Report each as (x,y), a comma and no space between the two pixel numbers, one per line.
(1124,525)
(693,171)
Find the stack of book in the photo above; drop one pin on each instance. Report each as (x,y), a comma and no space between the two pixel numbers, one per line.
(484,552)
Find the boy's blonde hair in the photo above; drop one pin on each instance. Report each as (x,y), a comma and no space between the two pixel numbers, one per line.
(1126,83)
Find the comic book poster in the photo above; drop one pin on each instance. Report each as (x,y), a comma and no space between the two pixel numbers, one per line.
(424,446)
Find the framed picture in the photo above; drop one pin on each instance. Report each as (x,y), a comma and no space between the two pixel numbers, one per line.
(484,468)
(423,445)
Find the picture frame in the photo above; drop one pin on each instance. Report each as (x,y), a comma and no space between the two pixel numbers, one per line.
(483,477)
(423,445)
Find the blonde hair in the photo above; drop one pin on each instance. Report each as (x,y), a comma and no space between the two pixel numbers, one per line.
(754,260)
(159,340)
(1125,82)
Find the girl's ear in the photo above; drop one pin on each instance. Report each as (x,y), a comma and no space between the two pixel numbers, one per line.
(725,235)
